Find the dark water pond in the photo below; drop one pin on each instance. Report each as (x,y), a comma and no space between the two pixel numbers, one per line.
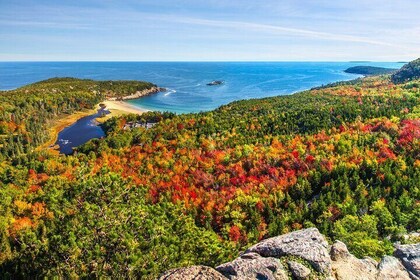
(79,133)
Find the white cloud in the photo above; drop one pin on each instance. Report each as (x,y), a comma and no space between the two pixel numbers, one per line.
(283,30)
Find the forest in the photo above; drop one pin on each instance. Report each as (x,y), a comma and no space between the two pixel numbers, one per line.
(200,188)
(369,70)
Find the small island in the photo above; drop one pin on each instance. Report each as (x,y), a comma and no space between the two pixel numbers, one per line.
(216,83)
(369,70)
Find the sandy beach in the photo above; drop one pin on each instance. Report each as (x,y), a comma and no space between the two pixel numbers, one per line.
(122,106)
(118,108)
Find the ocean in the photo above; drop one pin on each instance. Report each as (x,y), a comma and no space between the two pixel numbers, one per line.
(187,81)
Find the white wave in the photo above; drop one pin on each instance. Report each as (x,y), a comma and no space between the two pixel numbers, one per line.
(169,92)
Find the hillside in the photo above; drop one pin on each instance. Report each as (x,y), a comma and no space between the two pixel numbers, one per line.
(200,188)
(409,72)
(369,70)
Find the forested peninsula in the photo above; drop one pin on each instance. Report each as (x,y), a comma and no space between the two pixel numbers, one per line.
(201,188)
(369,70)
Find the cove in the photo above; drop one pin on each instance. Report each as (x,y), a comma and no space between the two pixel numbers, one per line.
(79,133)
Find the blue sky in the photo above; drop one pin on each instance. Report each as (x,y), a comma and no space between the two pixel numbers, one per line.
(210,30)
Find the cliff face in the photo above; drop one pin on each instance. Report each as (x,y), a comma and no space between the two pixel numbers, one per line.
(305,254)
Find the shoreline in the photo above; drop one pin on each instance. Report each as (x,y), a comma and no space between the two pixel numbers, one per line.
(123,106)
(116,108)
(138,94)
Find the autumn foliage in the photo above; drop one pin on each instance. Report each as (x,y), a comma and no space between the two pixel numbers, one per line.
(198,188)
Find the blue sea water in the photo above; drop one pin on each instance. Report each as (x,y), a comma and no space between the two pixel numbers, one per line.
(186,81)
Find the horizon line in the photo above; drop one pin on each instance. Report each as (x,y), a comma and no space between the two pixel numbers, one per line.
(208,61)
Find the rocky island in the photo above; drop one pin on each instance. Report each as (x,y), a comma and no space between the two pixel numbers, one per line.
(216,83)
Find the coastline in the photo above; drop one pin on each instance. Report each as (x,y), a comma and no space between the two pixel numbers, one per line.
(116,108)
(113,105)
(138,94)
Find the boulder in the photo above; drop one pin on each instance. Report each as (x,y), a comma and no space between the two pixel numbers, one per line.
(339,251)
(252,266)
(299,271)
(345,266)
(409,255)
(371,261)
(391,268)
(265,261)
(195,272)
(307,244)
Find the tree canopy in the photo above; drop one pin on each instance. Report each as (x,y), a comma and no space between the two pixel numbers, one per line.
(199,188)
